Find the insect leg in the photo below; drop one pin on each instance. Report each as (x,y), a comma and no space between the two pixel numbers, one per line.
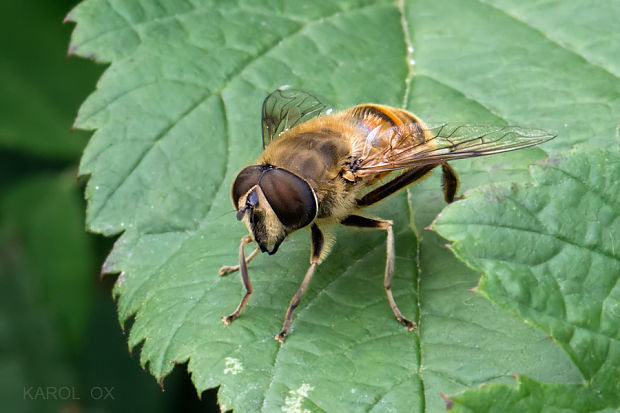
(315,255)
(449,182)
(395,184)
(245,278)
(227,269)
(363,222)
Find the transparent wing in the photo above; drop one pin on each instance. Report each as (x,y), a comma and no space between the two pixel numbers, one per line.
(287,107)
(448,142)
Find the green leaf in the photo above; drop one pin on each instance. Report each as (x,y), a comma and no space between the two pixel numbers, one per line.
(548,252)
(551,64)
(529,396)
(177,115)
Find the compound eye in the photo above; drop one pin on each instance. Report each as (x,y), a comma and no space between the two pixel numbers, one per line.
(246,179)
(290,197)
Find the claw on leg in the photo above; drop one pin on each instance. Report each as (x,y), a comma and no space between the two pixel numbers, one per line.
(227,269)
(227,319)
(409,324)
(280,337)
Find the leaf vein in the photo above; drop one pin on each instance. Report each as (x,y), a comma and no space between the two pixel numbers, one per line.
(462,92)
(533,231)
(142,155)
(418,320)
(544,35)
(408,53)
(596,191)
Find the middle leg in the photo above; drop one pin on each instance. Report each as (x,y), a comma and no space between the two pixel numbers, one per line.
(396,184)
(318,244)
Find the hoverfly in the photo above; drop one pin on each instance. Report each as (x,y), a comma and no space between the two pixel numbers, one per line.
(317,169)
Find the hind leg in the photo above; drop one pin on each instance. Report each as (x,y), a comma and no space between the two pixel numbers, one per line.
(449,182)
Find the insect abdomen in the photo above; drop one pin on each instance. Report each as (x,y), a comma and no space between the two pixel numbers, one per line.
(388,117)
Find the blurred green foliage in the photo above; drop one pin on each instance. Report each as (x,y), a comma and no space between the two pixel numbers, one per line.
(60,348)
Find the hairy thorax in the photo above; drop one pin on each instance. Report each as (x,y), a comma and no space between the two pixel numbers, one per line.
(319,153)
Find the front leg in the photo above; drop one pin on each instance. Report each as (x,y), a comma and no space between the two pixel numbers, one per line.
(363,222)
(245,278)
(227,269)
(318,244)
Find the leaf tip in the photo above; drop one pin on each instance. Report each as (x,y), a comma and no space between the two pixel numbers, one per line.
(428,227)
(107,267)
(68,18)
(121,278)
(448,401)
(71,50)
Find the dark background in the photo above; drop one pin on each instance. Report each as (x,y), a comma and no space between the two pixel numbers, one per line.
(61,346)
